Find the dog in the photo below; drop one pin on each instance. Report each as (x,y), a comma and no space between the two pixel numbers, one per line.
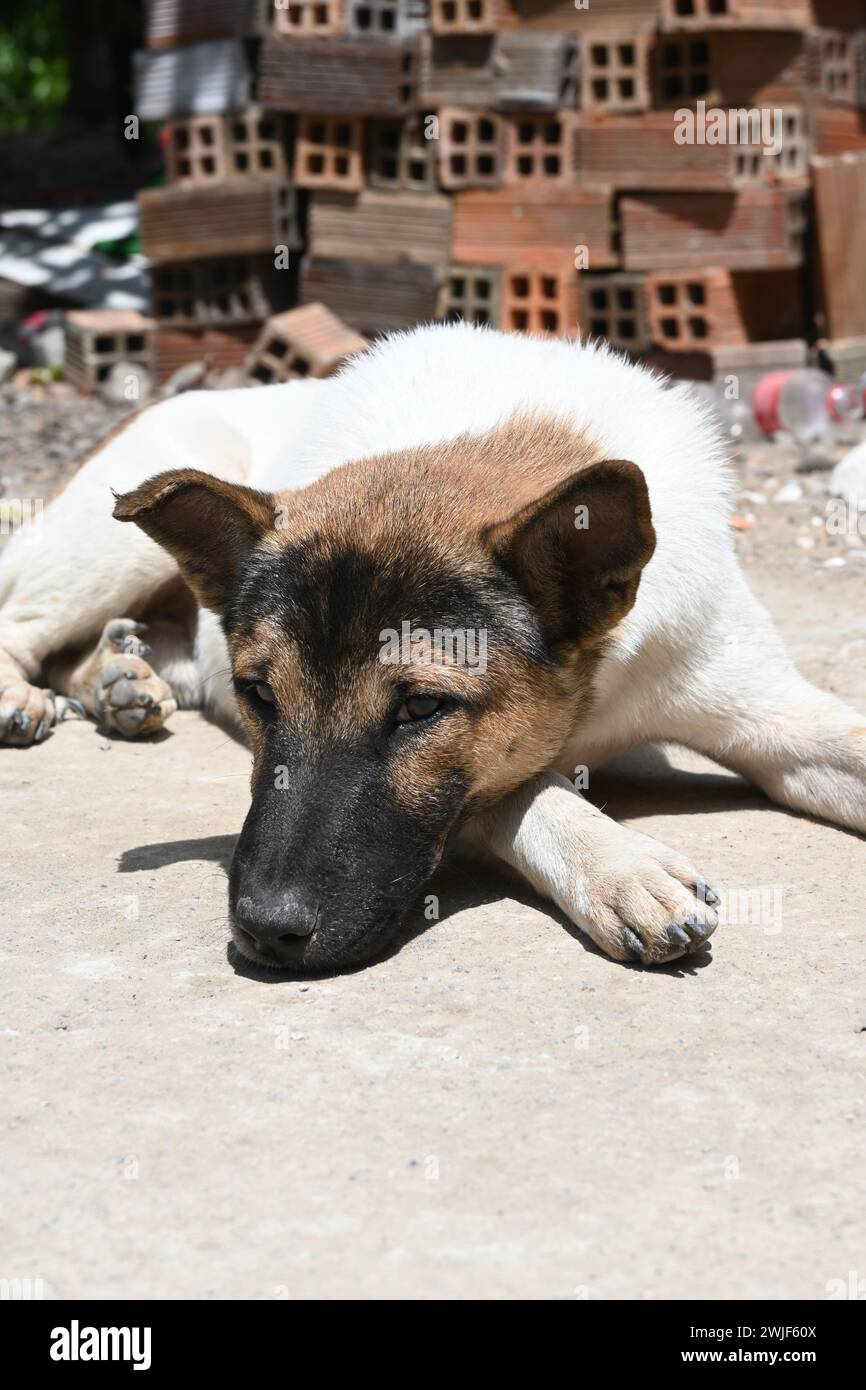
(290,547)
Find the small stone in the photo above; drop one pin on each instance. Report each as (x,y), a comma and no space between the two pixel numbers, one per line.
(791,492)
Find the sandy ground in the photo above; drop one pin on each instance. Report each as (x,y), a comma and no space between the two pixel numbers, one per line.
(495,1111)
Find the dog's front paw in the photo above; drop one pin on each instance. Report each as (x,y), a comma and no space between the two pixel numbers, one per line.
(641,901)
(26,713)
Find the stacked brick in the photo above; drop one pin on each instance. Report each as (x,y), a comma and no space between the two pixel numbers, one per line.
(519,163)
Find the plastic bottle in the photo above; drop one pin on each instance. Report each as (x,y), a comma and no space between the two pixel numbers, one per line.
(803,403)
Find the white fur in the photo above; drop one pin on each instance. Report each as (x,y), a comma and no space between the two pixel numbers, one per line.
(696,661)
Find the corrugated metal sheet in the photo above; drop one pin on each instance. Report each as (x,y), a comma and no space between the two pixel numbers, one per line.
(340,76)
(750,230)
(197,80)
(534,227)
(232,217)
(370,297)
(840,206)
(379,226)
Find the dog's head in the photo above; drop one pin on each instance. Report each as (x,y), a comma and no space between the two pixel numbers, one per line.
(411,638)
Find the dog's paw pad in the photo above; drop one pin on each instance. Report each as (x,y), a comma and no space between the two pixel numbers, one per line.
(26,714)
(131,698)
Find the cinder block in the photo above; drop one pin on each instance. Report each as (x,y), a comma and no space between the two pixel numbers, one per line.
(172,22)
(615,73)
(540,148)
(220,293)
(386,19)
(792,161)
(724,69)
(342,76)
(838,128)
(329,152)
(837,65)
(96,339)
(626,17)
(399,155)
(381,226)
(471,294)
(305,342)
(747,361)
(194,150)
(205,149)
(507,70)
(471,16)
(217,348)
(641,151)
(305,19)
(542,302)
(371,297)
(234,217)
(613,306)
(735,14)
(257,142)
(535,227)
(754,229)
(683,69)
(471,148)
(701,309)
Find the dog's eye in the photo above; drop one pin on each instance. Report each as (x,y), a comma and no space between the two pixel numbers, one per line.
(417,707)
(264,692)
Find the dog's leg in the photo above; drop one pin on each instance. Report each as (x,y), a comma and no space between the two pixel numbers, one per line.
(77,569)
(636,898)
(806,749)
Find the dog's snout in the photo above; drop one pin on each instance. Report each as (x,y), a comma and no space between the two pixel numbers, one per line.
(277,924)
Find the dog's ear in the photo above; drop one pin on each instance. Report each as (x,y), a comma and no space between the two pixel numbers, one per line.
(207,525)
(578,551)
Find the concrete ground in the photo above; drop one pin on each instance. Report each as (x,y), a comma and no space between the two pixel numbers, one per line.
(495,1111)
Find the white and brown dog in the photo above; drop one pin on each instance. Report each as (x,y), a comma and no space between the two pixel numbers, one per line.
(549,497)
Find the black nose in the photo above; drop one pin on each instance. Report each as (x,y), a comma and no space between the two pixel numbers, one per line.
(277,923)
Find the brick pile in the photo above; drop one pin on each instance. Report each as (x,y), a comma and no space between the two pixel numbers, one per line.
(518,163)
